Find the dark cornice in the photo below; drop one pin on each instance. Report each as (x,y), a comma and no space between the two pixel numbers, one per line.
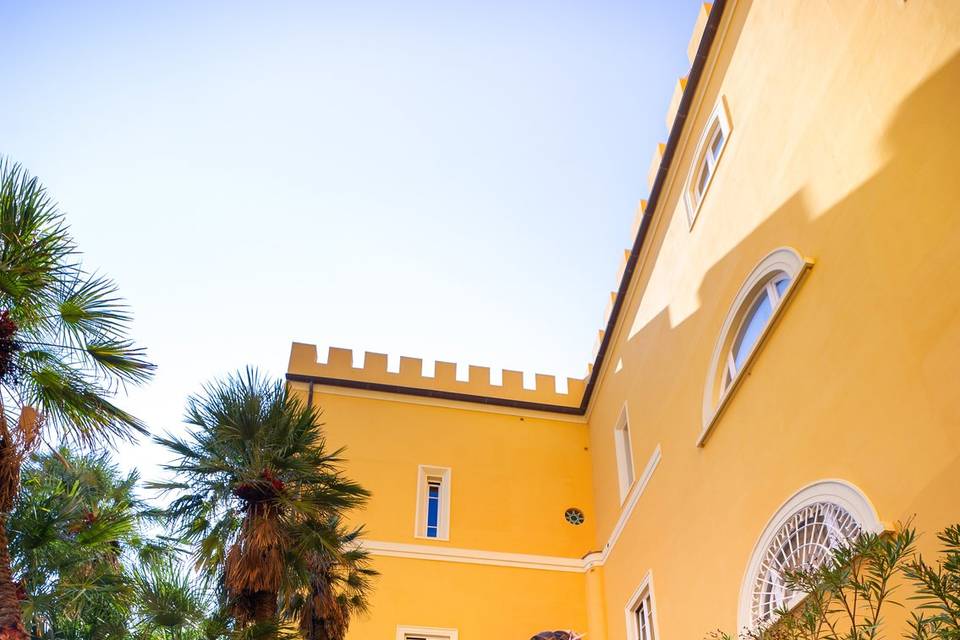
(434,393)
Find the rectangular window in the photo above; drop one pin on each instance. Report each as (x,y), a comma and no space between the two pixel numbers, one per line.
(704,180)
(706,158)
(641,621)
(624,451)
(433,503)
(433,507)
(426,633)
(644,615)
(716,146)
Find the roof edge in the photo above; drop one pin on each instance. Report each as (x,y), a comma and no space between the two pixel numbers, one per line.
(676,130)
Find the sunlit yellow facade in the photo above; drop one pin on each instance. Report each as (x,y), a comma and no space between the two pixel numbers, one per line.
(839,166)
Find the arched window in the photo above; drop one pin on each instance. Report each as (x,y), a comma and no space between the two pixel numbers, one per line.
(802,534)
(805,541)
(754,311)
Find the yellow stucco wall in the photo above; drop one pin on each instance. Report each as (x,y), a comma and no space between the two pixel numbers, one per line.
(512,477)
(478,601)
(843,146)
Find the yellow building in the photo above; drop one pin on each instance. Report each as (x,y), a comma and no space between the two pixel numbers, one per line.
(781,359)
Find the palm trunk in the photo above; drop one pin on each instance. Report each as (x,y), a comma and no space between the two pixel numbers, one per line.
(254,565)
(11,615)
(264,606)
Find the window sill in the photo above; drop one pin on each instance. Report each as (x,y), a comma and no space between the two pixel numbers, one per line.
(436,539)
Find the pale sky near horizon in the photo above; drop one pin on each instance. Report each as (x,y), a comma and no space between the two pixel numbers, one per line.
(450,181)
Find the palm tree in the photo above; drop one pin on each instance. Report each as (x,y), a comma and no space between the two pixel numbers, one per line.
(256,490)
(81,548)
(78,538)
(340,582)
(73,522)
(171,606)
(64,351)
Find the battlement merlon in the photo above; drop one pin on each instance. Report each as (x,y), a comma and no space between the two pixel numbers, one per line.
(338,370)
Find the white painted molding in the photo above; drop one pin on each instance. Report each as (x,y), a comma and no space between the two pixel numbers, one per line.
(521,560)
(623,447)
(839,492)
(430,633)
(631,502)
(783,260)
(445,474)
(473,556)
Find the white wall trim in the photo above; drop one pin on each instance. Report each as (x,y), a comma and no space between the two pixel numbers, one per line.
(521,560)
(623,448)
(431,633)
(425,471)
(631,502)
(840,492)
(473,556)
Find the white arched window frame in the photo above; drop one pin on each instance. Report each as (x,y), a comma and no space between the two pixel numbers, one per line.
(774,280)
(710,147)
(836,499)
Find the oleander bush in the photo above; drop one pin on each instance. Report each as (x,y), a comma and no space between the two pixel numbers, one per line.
(850,596)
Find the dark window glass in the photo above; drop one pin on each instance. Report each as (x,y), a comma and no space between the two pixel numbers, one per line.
(753,325)
(717,143)
(433,509)
(782,285)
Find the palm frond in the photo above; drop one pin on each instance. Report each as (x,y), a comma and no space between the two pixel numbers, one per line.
(70,348)
(259,496)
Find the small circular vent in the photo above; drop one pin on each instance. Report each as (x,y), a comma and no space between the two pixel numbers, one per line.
(574,516)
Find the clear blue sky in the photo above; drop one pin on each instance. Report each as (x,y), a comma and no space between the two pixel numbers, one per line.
(443,180)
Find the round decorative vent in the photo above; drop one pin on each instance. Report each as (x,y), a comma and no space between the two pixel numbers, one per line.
(574,516)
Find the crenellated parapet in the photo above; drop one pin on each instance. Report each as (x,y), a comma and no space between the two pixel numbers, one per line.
(338,370)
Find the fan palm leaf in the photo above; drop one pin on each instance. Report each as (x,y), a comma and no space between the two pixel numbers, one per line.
(64,350)
(254,484)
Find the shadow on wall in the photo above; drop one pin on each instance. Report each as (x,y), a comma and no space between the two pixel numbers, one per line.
(875,329)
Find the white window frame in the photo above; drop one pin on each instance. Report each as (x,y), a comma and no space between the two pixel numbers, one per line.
(717,393)
(704,157)
(770,289)
(623,446)
(642,597)
(840,492)
(426,473)
(430,633)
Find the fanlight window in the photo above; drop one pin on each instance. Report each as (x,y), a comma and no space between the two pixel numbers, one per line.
(754,322)
(755,309)
(804,541)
